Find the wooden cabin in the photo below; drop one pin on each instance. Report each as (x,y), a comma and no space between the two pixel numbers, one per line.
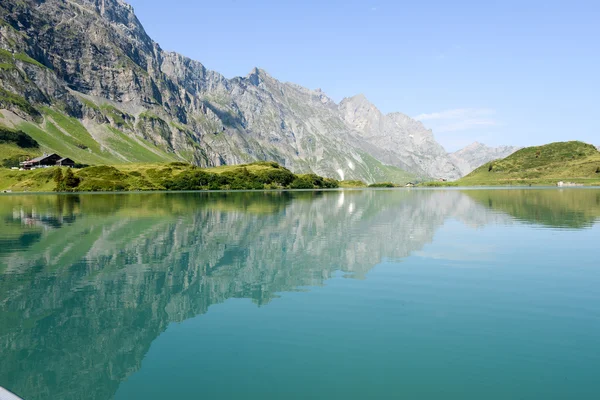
(47,161)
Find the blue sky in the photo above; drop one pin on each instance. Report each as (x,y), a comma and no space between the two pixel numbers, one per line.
(503,72)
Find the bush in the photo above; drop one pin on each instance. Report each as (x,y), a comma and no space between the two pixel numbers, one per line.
(189,180)
(19,138)
(302,182)
(179,164)
(598,170)
(66,182)
(382,185)
(278,176)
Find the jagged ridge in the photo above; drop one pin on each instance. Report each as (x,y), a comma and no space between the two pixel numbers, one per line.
(92,60)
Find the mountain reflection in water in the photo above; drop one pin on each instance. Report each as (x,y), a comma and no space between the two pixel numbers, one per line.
(87,282)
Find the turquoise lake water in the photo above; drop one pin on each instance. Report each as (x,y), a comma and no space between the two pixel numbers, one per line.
(369,294)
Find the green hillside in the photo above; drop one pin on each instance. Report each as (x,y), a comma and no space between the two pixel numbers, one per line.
(16,146)
(574,161)
(173,176)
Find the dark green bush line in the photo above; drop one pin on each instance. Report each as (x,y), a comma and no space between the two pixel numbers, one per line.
(107,178)
(382,185)
(243,179)
(19,138)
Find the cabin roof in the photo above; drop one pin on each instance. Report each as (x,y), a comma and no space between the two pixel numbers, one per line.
(41,158)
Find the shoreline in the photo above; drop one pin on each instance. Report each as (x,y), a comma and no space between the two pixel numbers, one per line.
(452,188)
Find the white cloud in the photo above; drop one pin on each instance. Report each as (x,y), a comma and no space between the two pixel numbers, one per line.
(448,125)
(459,119)
(456,113)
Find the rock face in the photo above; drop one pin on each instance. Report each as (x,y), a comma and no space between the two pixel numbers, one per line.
(397,139)
(92,60)
(476,154)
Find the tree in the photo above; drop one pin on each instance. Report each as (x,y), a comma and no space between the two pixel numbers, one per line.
(65,182)
(59,179)
(70,180)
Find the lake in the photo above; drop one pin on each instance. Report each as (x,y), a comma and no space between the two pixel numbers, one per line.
(412,294)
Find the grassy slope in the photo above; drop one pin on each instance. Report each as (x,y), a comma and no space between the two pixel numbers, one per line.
(120,177)
(68,137)
(9,150)
(543,165)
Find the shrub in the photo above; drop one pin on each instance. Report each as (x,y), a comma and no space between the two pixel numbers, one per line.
(277,176)
(179,164)
(302,182)
(19,138)
(598,170)
(66,182)
(382,185)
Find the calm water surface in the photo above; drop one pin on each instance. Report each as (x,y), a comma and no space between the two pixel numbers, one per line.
(412,294)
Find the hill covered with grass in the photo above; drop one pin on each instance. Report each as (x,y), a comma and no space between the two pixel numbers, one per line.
(173,176)
(574,161)
(16,146)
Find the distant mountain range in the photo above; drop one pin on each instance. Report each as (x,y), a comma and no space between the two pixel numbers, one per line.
(84,79)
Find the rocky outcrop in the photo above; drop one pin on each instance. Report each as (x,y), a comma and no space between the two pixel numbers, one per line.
(477,154)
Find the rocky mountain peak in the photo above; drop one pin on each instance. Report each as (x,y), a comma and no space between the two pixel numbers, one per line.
(92,61)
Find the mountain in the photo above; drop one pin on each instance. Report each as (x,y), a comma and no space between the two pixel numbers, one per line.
(574,161)
(397,139)
(476,154)
(84,79)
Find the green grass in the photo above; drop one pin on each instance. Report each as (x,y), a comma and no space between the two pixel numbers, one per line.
(542,165)
(69,138)
(134,150)
(352,184)
(11,154)
(9,98)
(151,116)
(16,146)
(26,59)
(438,184)
(39,180)
(89,104)
(173,176)
(54,140)
(9,58)
(383,185)
(120,118)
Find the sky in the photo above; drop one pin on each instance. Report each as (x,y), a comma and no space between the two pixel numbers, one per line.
(507,72)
